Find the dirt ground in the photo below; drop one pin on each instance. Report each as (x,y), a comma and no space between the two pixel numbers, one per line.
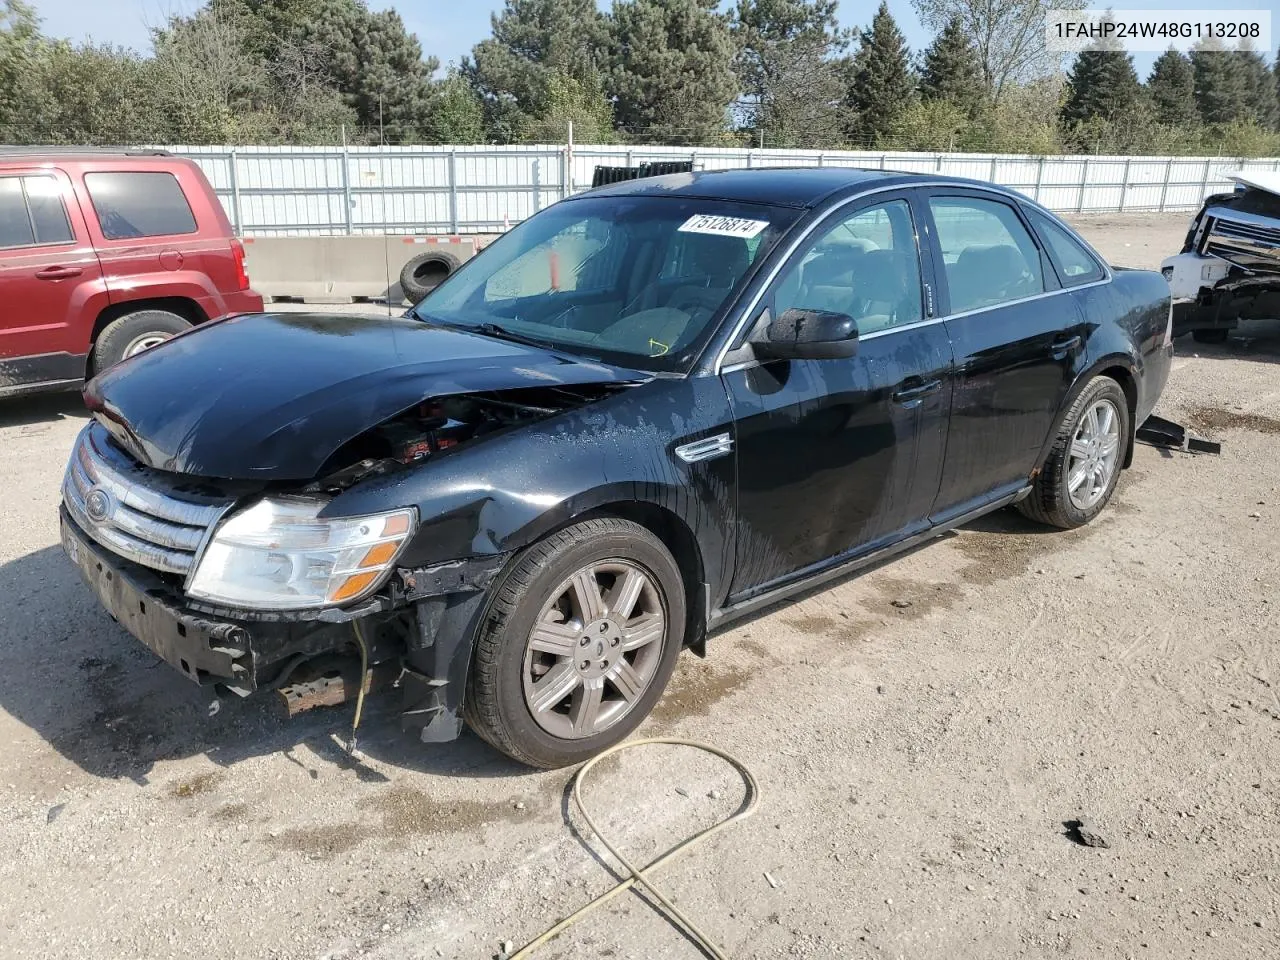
(921,734)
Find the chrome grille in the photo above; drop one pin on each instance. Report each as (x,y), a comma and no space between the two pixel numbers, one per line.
(1250,241)
(156,519)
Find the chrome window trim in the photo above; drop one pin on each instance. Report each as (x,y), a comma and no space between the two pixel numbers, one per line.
(718,367)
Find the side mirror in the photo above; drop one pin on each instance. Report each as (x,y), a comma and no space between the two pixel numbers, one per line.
(808,335)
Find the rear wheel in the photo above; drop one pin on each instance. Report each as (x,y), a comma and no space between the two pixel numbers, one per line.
(134,333)
(1083,466)
(578,644)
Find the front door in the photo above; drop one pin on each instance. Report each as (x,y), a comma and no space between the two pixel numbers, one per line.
(836,457)
(49,274)
(1018,340)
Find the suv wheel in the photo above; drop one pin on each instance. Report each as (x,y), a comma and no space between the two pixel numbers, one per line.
(578,643)
(133,333)
(1082,468)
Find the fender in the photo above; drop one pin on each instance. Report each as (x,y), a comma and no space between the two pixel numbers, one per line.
(184,284)
(1111,361)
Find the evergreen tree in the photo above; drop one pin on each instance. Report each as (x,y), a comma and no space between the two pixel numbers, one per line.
(533,42)
(952,71)
(787,70)
(882,84)
(671,74)
(20,43)
(1259,88)
(1172,89)
(1103,84)
(456,116)
(1220,84)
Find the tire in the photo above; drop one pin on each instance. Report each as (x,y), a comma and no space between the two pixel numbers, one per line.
(132,333)
(541,586)
(1210,335)
(1052,500)
(425,272)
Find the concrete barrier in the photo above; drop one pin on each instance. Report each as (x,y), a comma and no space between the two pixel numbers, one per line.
(341,269)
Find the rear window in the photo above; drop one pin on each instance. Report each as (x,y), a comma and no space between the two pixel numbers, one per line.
(31,212)
(132,205)
(1075,262)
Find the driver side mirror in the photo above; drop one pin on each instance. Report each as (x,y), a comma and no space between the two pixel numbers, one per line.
(807,335)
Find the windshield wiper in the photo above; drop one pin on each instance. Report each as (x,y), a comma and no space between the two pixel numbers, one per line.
(499,332)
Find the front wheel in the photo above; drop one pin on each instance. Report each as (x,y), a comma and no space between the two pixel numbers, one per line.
(1080,474)
(134,333)
(579,641)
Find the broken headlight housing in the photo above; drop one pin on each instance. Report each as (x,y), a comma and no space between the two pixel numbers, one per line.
(279,554)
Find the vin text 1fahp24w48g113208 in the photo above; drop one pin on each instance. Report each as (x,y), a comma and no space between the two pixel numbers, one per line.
(641,413)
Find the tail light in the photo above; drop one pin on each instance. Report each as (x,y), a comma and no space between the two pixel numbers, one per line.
(237,255)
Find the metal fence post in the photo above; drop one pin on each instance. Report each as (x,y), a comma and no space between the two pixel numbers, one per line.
(1124,186)
(1164,189)
(1039,178)
(537,185)
(1084,184)
(564,172)
(937,164)
(1204,184)
(346,191)
(453,191)
(236,215)
(992,175)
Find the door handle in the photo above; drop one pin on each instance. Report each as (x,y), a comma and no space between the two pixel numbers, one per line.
(1061,349)
(59,273)
(917,392)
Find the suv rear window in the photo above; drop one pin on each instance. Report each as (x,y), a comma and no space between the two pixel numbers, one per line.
(32,212)
(131,205)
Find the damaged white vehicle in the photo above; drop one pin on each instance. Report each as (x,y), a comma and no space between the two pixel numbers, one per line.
(1229,267)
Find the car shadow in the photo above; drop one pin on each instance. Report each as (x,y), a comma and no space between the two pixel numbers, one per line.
(114,709)
(43,408)
(1255,340)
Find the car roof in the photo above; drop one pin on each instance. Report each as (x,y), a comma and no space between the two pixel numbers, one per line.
(77,153)
(782,186)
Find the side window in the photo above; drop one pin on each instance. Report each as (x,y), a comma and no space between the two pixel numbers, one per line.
(48,215)
(15,225)
(1075,262)
(988,255)
(133,205)
(866,266)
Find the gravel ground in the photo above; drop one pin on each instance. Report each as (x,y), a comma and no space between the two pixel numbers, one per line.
(922,733)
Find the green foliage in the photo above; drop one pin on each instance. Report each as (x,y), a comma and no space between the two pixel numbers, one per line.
(1220,91)
(1171,89)
(788,73)
(20,48)
(1241,139)
(951,70)
(671,70)
(1259,89)
(563,100)
(882,85)
(1103,86)
(532,40)
(457,115)
(933,124)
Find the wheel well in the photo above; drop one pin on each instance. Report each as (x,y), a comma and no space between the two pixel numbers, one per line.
(186,308)
(679,539)
(1130,387)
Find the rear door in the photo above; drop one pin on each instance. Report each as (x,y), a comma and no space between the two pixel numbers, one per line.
(50,278)
(1018,338)
(838,457)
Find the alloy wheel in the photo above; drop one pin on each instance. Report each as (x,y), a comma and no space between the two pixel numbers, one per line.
(144,342)
(594,649)
(1095,451)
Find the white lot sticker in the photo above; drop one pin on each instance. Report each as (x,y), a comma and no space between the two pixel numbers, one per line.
(723,226)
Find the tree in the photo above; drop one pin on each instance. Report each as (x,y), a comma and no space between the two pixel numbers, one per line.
(1259,88)
(1171,88)
(1102,84)
(882,85)
(1219,84)
(951,71)
(457,115)
(787,71)
(671,69)
(532,41)
(1009,35)
(564,100)
(20,44)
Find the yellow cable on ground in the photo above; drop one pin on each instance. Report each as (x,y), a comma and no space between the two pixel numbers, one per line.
(641,876)
(364,673)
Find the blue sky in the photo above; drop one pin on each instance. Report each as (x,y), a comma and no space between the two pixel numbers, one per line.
(448,29)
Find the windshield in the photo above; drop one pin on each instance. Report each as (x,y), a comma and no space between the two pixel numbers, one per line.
(636,281)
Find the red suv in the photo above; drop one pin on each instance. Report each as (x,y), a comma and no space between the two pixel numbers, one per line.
(103,255)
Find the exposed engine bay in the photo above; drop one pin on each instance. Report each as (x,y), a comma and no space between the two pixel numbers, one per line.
(440,424)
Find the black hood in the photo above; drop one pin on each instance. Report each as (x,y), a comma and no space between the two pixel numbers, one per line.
(272,396)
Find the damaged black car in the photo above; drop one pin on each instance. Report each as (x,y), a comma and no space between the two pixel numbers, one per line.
(642,413)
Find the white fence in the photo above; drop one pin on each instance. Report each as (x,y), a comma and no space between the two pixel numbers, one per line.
(300,191)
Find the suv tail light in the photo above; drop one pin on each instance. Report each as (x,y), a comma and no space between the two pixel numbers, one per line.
(237,254)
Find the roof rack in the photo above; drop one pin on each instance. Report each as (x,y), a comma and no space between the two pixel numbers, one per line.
(47,151)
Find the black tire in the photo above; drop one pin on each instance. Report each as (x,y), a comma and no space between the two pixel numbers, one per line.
(125,333)
(1210,335)
(425,272)
(495,706)
(1049,501)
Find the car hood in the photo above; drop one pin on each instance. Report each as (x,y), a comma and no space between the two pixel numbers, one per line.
(273,396)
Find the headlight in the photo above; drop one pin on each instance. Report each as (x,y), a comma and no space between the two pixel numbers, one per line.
(279,555)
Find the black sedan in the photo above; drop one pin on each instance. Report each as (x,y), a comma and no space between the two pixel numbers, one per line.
(640,414)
